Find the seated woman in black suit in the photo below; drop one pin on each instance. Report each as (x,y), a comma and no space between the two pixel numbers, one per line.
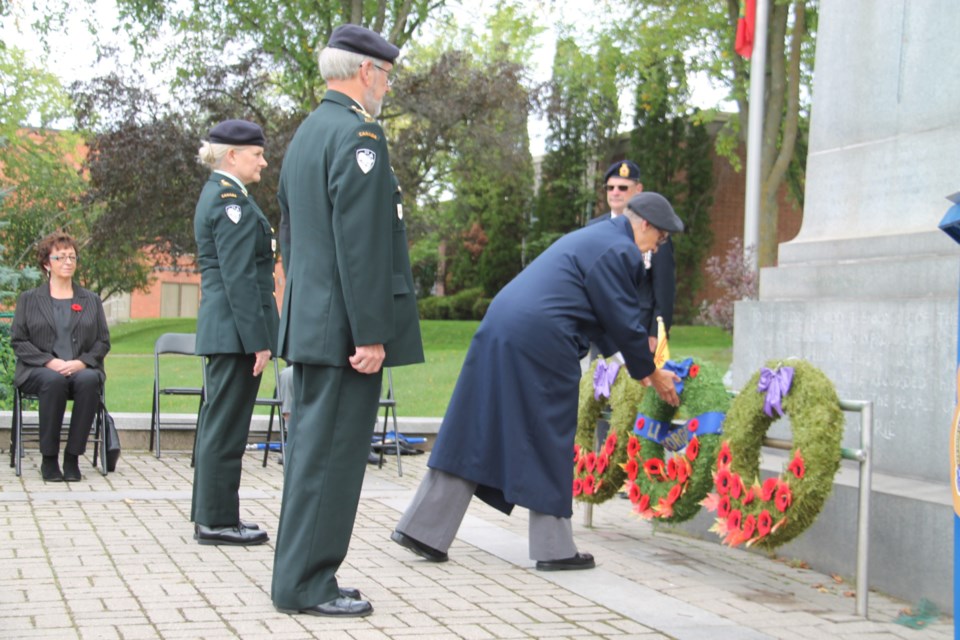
(60,337)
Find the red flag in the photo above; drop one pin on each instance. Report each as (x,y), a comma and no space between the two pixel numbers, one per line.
(745,27)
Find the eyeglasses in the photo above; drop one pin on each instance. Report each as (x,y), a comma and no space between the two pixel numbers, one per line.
(662,236)
(618,187)
(73,259)
(389,77)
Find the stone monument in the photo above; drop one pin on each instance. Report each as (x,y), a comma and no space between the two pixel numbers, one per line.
(867,291)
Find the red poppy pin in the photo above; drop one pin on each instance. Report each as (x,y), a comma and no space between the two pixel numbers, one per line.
(76,307)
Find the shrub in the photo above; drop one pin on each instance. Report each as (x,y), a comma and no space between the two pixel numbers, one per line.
(469,304)
(8,362)
(736,277)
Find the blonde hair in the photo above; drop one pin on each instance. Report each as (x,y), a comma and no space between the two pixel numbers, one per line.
(210,154)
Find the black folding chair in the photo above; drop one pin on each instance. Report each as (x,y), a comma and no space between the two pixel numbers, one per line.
(276,407)
(388,402)
(175,344)
(22,432)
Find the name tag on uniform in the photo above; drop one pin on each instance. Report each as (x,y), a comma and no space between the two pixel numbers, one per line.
(400,211)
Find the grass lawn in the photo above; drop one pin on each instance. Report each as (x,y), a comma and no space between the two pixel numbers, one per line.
(421,390)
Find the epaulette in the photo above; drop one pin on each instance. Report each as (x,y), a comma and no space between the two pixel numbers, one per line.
(362,112)
(226,183)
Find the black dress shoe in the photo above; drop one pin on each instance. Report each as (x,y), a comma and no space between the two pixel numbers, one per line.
(373,458)
(249,525)
(50,470)
(340,607)
(71,468)
(233,536)
(578,561)
(350,592)
(422,550)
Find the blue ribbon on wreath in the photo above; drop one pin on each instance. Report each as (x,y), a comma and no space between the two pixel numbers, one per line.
(676,437)
(682,369)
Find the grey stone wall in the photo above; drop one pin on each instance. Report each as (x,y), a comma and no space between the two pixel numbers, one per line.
(868,290)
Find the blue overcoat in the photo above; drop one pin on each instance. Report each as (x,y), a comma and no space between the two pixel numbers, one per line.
(511,422)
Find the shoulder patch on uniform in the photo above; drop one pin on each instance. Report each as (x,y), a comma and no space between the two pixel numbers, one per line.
(234,212)
(368,134)
(229,194)
(366,159)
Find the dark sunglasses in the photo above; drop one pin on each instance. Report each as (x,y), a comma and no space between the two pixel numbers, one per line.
(618,187)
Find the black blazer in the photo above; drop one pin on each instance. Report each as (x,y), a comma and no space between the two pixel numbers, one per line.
(34,331)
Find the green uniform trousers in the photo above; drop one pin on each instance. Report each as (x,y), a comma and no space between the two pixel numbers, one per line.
(335,410)
(222,432)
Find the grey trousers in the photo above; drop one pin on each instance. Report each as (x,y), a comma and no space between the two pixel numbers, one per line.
(441,501)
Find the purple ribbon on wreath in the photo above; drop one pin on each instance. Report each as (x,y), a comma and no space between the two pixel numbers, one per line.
(604,377)
(777,385)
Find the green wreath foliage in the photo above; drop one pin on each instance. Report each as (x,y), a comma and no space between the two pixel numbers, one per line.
(598,475)
(669,487)
(770,513)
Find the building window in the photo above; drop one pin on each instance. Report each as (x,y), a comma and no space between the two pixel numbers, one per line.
(179,300)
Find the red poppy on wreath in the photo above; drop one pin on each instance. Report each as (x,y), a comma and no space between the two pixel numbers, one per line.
(784,497)
(768,488)
(723,480)
(693,448)
(576,452)
(724,456)
(749,496)
(634,493)
(633,446)
(581,464)
(694,371)
(736,486)
(76,307)
(602,463)
(733,520)
(640,423)
(632,469)
(672,468)
(764,522)
(723,507)
(577,486)
(684,470)
(588,485)
(692,425)
(675,493)
(591,461)
(797,466)
(611,444)
(749,526)
(653,467)
(643,506)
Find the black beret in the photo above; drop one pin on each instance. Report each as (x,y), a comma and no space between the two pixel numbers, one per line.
(351,37)
(656,210)
(623,169)
(238,132)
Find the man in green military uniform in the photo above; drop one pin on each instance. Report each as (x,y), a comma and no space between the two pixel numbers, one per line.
(236,325)
(348,310)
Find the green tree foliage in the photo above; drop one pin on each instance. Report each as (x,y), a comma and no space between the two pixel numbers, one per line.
(289,33)
(583,114)
(672,147)
(703,31)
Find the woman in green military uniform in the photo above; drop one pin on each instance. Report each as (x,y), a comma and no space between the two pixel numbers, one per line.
(236,325)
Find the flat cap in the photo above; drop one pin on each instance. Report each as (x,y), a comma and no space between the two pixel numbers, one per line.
(623,169)
(656,210)
(352,37)
(238,132)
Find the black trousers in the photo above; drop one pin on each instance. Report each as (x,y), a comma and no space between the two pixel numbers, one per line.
(54,390)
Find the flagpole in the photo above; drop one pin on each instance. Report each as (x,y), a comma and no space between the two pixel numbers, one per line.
(758,64)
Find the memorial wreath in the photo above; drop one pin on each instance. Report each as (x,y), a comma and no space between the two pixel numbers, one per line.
(598,475)
(668,487)
(772,512)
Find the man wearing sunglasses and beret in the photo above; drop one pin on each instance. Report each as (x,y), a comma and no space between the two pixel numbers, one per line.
(622,182)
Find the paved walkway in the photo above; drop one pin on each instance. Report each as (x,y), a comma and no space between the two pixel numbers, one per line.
(113,557)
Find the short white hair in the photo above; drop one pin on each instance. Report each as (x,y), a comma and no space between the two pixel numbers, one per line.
(340,64)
